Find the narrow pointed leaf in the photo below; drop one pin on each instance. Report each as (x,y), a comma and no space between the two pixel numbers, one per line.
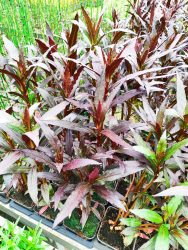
(162,241)
(111,196)
(162,146)
(170,151)
(7,118)
(148,215)
(33,185)
(45,193)
(72,202)
(79,163)
(115,138)
(68,125)
(149,245)
(11,49)
(38,156)
(180,96)
(52,112)
(34,136)
(130,222)
(8,161)
(173,205)
(178,190)
(181,238)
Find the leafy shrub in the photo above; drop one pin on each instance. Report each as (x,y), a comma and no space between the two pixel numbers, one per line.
(112,106)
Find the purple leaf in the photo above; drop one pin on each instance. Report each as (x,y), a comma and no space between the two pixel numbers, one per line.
(7,118)
(45,193)
(111,97)
(106,155)
(52,112)
(115,138)
(50,176)
(79,163)
(122,127)
(69,142)
(72,202)
(128,95)
(94,174)
(33,185)
(111,196)
(58,196)
(43,209)
(69,125)
(8,161)
(38,156)
(50,135)
(34,136)
(130,167)
(59,166)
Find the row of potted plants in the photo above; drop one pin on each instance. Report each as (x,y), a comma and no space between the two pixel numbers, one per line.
(97,117)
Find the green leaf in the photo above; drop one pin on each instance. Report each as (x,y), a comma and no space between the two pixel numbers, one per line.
(170,151)
(162,241)
(130,222)
(144,148)
(127,240)
(149,154)
(129,231)
(149,245)
(181,238)
(138,139)
(162,146)
(148,215)
(173,205)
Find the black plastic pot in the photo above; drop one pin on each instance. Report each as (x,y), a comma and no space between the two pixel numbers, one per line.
(111,239)
(20,202)
(74,225)
(46,220)
(46,215)
(3,195)
(62,230)
(4,199)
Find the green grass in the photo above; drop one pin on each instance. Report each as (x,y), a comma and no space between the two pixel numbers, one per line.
(22,21)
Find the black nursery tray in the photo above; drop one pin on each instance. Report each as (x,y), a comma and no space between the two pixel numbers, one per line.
(90,229)
(4,199)
(22,203)
(12,207)
(49,214)
(107,237)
